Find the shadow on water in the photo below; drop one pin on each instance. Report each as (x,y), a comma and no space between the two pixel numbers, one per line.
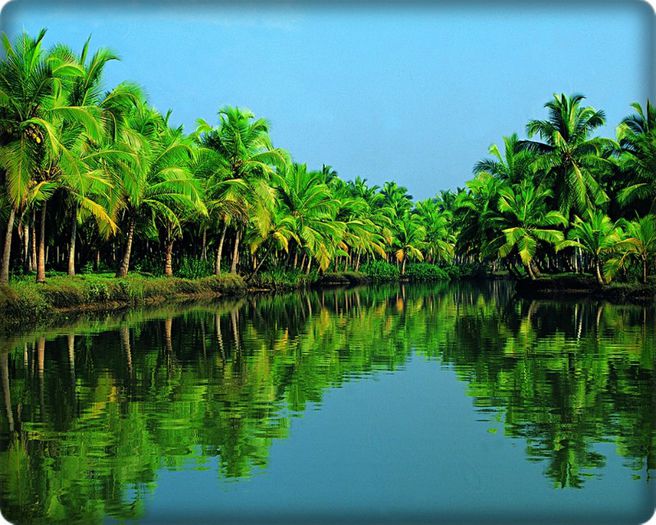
(92,412)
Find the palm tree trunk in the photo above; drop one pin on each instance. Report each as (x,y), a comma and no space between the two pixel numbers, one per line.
(219,251)
(235,253)
(71,246)
(309,266)
(530,272)
(6,252)
(203,251)
(26,248)
(125,263)
(600,278)
(33,237)
(168,262)
(644,270)
(41,257)
(403,266)
(6,392)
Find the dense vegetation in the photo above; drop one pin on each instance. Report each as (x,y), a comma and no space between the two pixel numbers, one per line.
(97,180)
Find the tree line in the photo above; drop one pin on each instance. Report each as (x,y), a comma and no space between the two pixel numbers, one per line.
(100,180)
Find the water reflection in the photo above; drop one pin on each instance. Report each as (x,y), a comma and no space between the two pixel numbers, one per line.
(92,412)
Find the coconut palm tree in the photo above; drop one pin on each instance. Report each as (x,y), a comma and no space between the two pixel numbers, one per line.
(527,223)
(87,184)
(637,137)
(640,242)
(26,85)
(244,153)
(39,122)
(306,199)
(440,238)
(513,166)
(476,216)
(409,240)
(568,155)
(597,235)
(157,182)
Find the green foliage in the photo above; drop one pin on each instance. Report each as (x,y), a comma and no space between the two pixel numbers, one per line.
(426,272)
(379,271)
(194,268)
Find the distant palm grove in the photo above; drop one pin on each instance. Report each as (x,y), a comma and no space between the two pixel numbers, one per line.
(96,180)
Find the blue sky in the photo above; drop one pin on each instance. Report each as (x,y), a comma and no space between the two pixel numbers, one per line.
(414,94)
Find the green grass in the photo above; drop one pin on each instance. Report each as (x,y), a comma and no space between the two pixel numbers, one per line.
(26,299)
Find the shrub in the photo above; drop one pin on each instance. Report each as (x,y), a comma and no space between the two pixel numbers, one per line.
(381,271)
(192,268)
(425,272)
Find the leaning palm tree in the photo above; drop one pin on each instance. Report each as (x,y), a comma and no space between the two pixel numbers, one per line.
(568,155)
(597,235)
(155,183)
(527,223)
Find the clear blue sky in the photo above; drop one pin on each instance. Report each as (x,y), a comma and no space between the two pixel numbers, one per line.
(414,94)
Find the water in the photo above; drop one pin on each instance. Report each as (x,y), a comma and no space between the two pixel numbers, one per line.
(447,402)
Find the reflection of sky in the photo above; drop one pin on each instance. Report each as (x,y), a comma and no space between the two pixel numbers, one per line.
(415,95)
(397,445)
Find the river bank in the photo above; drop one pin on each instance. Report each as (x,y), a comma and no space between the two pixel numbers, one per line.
(26,303)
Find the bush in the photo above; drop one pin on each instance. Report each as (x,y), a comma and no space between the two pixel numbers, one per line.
(381,271)
(192,268)
(425,272)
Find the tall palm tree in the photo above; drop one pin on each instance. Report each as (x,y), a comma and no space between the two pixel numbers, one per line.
(156,182)
(87,184)
(637,136)
(244,153)
(307,200)
(569,156)
(26,86)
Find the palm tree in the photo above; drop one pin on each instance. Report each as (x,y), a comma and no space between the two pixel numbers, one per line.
(527,222)
(568,156)
(157,182)
(513,166)
(410,240)
(440,238)
(476,216)
(245,154)
(637,137)
(306,199)
(26,85)
(640,241)
(87,183)
(598,235)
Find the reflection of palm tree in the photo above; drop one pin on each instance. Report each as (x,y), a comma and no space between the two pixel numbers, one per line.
(124,334)
(6,392)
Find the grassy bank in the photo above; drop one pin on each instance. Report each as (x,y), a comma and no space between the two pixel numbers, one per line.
(27,301)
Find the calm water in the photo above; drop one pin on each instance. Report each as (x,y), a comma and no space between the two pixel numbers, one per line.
(387,403)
